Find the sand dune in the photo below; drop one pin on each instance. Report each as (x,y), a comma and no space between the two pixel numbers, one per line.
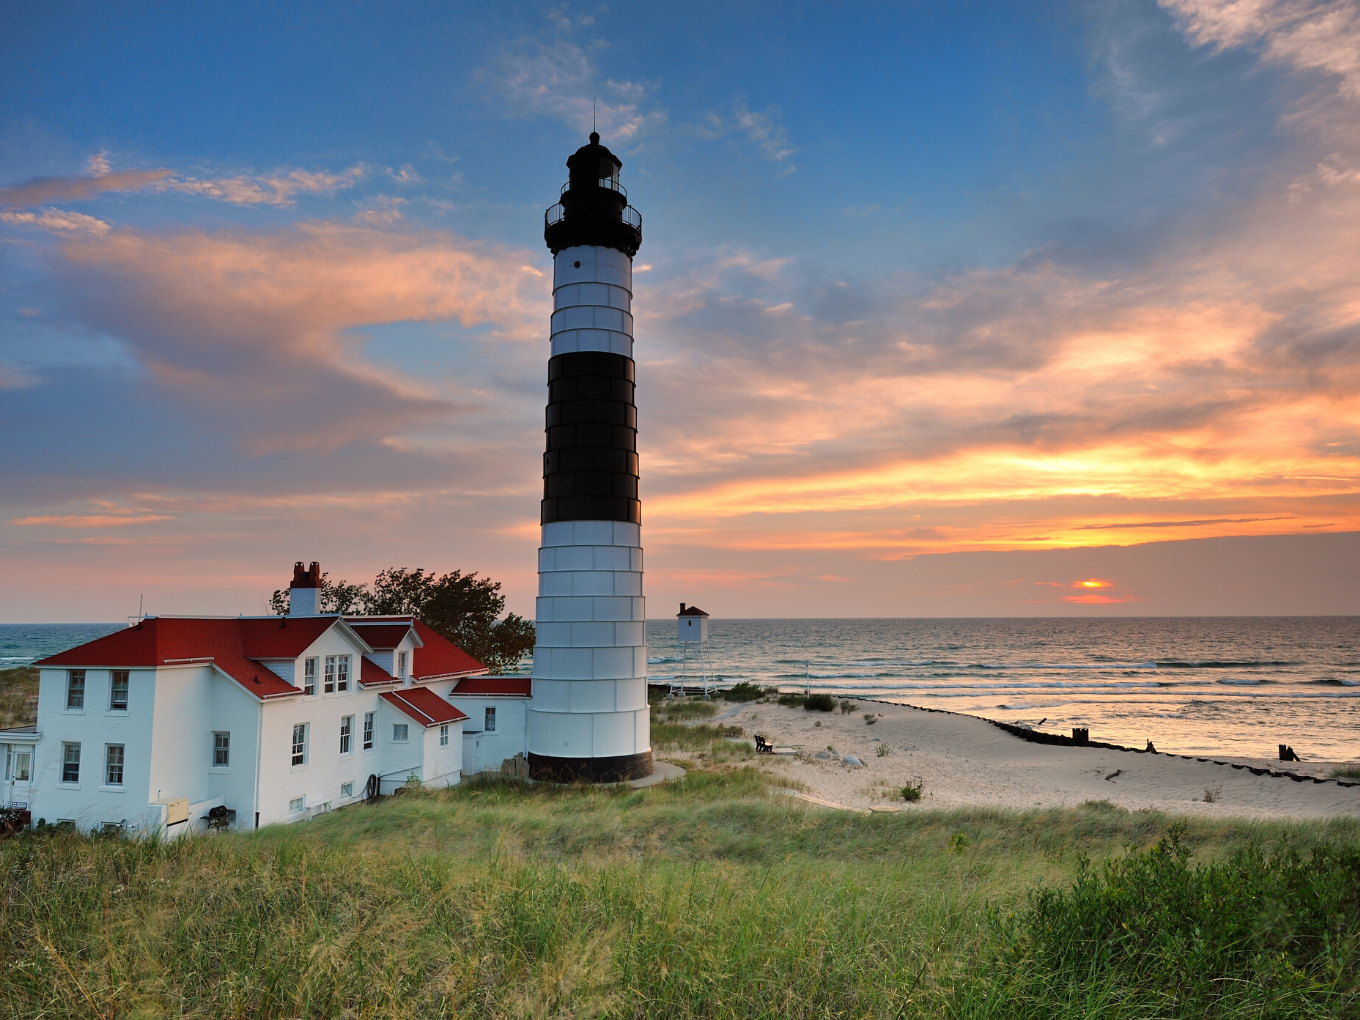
(965,761)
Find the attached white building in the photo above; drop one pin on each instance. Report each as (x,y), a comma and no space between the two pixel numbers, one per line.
(267,719)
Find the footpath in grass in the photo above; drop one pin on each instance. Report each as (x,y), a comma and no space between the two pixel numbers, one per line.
(706,898)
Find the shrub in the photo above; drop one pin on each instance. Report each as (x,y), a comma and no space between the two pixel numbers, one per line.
(819,703)
(883,750)
(790,700)
(847,707)
(1212,793)
(744,691)
(870,719)
(959,842)
(1276,934)
(910,792)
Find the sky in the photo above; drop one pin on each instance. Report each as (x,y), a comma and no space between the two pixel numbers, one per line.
(942,308)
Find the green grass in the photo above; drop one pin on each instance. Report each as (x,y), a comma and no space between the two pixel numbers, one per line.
(1345,772)
(18,696)
(705,898)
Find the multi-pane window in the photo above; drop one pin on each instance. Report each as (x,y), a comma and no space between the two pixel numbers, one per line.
(309,677)
(118,692)
(346,734)
(368,731)
(17,764)
(342,673)
(113,764)
(75,689)
(444,735)
(299,743)
(70,763)
(330,674)
(401,665)
(490,726)
(399,733)
(221,750)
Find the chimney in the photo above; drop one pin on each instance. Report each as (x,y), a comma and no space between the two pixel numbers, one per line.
(682,607)
(304,594)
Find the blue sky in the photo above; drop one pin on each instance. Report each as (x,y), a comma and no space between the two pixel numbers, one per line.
(918,280)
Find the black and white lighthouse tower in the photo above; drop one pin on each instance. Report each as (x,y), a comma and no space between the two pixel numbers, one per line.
(588,718)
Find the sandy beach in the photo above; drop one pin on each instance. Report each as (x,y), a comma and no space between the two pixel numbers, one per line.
(963,761)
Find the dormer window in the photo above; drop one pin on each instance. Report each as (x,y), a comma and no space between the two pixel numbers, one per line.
(401,665)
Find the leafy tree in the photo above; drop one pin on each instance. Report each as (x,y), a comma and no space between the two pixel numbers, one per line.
(463,608)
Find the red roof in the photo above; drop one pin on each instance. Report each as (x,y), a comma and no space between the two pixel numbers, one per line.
(370,674)
(381,635)
(162,641)
(516,686)
(439,657)
(423,705)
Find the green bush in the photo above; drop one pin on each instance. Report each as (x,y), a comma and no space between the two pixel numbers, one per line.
(790,700)
(819,703)
(744,691)
(1276,936)
(910,792)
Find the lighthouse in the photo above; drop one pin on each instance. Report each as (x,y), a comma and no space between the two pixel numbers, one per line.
(588,718)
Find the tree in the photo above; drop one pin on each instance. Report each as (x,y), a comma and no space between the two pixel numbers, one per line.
(462,608)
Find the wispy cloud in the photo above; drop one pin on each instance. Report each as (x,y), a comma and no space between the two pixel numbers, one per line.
(766,131)
(561,81)
(68,189)
(278,189)
(58,220)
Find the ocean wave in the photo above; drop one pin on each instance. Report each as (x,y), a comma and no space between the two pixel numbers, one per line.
(1223,664)
(1102,666)
(652,661)
(895,665)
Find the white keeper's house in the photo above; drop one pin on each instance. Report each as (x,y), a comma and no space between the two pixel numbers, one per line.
(177,722)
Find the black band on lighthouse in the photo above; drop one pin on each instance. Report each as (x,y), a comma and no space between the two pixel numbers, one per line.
(590,470)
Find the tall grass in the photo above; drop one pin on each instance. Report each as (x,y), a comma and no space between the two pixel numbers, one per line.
(707,898)
(18,696)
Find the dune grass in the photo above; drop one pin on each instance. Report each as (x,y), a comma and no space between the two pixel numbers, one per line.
(18,696)
(706,898)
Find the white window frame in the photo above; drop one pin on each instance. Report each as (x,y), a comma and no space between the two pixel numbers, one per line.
(68,759)
(489,720)
(115,757)
(75,690)
(401,665)
(299,746)
(368,731)
(347,789)
(224,746)
(444,735)
(296,805)
(329,686)
(116,687)
(404,729)
(347,734)
(309,675)
(12,755)
(342,672)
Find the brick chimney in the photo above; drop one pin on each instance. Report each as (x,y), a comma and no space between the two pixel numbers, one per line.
(304,594)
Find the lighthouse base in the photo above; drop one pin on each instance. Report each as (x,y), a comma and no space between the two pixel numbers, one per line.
(616,769)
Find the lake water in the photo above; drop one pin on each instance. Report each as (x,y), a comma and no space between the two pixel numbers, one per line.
(1237,686)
